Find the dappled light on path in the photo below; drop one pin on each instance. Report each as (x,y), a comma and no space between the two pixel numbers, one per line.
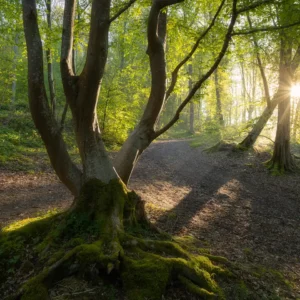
(229,202)
(26,195)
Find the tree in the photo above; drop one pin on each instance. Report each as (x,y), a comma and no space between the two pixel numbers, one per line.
(282,159)
(286,71)
(103,208)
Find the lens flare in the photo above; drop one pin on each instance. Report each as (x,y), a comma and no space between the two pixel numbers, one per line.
(295,90)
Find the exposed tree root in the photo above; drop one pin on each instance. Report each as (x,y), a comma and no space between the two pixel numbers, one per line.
(225,146)
(146,268)
(97,238)
(279,168)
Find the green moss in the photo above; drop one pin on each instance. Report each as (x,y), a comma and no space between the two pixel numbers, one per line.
(274,167)
(31,226)
(56,256)
(145,277)
(174,260)
(241,147)
(16,236)
(74,242)
(195,289)
(34,289)
(88,254)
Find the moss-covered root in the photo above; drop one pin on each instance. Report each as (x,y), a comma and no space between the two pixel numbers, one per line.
(146,268)
(224,146)
(149,266)
(84,259)
(277,169)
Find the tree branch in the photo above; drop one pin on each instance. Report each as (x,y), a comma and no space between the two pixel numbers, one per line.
(164,3)
(254,5)
(296,60)
(260,65)
(199,83)
(157,24)
(196,45)
(44,121)
(123,9)
(67,46)
(264,29)
(96,56)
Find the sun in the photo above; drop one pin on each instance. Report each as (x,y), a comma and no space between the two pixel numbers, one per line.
(295,91)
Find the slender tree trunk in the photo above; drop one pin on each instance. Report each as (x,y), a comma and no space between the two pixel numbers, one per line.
(192,106)
(49,61)
(252,136)
(244,93)
(105,110)
(14,83)
(219,114)
(200,114)
(63,117)
(143,134)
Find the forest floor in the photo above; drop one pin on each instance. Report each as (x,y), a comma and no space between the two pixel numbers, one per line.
(229,201)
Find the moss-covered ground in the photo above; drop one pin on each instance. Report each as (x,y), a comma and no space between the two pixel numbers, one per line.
(42,263)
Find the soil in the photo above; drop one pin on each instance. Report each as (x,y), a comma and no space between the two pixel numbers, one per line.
(229,201)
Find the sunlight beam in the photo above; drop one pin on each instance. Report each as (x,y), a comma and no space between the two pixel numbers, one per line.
(295,91)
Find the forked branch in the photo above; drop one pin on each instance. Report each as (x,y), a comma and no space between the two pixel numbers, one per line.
(254,5)
(189,55)
(67,43)
(122,10)
(260,66)
(44,121)
(265,29)
(199,83)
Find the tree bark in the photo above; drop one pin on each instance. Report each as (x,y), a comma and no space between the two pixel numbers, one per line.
(219,114)
(256,130)
(14,83)
(192,106)
(143,134)
(282,159)
(49,62)
(41,113)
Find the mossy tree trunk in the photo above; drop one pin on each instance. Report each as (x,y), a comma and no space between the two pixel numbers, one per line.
(103,206)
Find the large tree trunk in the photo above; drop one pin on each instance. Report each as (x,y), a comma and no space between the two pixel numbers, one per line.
(282,159)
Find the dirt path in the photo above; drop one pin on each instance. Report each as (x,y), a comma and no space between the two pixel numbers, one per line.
(228,201)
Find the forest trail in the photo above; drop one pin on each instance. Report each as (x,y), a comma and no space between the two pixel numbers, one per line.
(228,201)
